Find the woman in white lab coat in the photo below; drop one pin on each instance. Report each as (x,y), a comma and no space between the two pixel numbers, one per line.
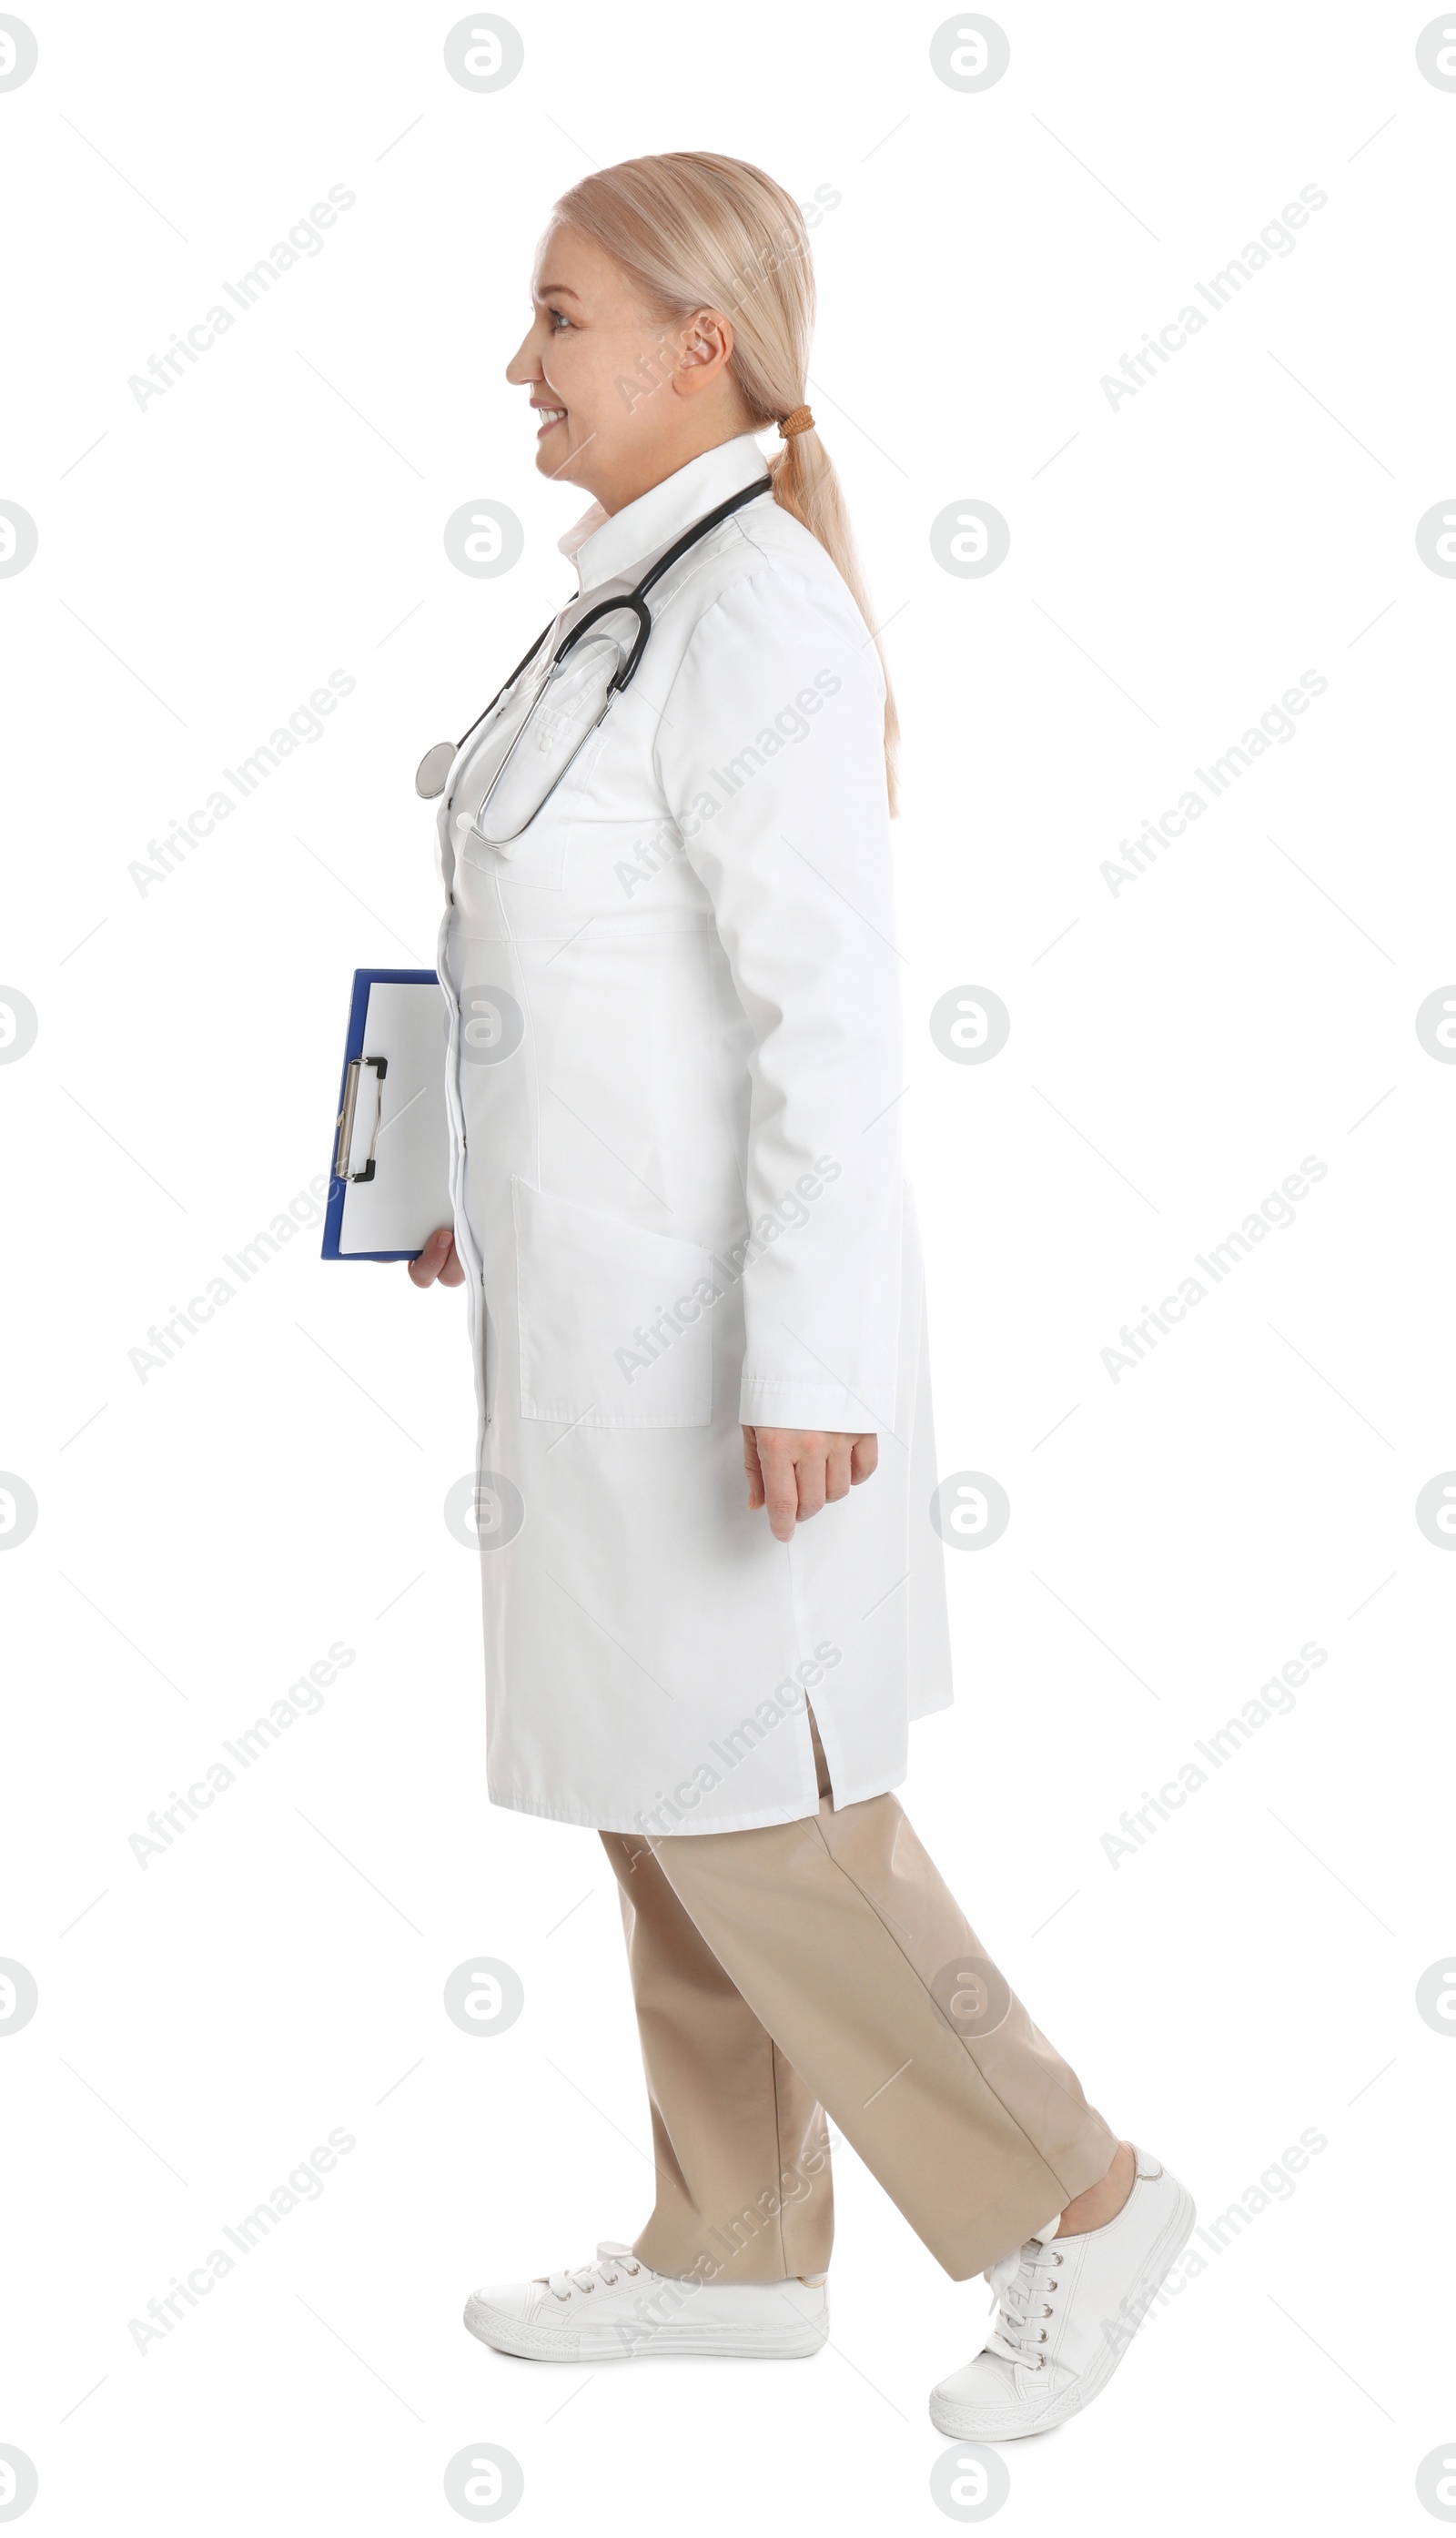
(711,1586)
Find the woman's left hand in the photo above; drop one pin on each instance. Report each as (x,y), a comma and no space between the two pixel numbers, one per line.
(792,1471)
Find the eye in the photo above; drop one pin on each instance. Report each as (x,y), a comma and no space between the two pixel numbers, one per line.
(558,315)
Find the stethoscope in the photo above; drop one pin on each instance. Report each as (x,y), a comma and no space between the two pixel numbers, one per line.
(432,773)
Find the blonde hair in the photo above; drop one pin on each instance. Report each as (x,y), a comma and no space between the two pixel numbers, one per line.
(693,229)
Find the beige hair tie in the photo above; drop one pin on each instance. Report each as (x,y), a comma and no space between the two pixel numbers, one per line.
(800,419)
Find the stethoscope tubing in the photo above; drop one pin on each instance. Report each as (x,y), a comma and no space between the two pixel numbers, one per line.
(635,600)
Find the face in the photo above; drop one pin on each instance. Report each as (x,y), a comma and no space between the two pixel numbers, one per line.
(618,400)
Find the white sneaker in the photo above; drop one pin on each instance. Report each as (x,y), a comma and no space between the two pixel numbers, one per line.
(618,2310)
(1068,2312)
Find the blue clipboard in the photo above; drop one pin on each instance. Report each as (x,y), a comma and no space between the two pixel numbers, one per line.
(389,1167)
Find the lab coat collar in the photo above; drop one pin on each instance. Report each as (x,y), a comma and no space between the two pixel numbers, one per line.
(609,547)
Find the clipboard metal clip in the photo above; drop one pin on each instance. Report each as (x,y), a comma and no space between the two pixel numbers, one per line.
(351,1121)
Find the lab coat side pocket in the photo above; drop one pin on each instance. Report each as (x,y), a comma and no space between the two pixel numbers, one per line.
(615,1321)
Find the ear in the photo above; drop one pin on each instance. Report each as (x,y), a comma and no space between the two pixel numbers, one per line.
(706,348)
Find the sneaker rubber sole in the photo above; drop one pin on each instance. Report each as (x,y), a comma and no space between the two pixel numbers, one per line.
(631,2340)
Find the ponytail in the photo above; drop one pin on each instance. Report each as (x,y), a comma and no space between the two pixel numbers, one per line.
(805,486)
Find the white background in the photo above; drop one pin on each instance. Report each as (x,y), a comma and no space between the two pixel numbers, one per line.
(1175,1050)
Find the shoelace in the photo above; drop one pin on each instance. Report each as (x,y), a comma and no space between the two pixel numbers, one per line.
(1022,2282)
(585,2278)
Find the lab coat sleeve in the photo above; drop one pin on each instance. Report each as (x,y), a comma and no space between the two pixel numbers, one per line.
(772,757)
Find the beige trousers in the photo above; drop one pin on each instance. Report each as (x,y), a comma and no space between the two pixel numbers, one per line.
(824,1967)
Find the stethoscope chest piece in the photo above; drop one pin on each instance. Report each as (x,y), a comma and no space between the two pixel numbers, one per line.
(432,771)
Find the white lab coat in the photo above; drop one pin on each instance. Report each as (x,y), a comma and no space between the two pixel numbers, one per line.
(672,1075)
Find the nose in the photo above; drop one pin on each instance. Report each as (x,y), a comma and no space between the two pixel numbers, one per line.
(524,370)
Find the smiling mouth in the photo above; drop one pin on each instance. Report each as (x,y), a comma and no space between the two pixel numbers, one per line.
(551,416)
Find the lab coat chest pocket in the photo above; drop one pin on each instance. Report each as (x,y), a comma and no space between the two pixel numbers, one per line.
(536,859)
(615,1321)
